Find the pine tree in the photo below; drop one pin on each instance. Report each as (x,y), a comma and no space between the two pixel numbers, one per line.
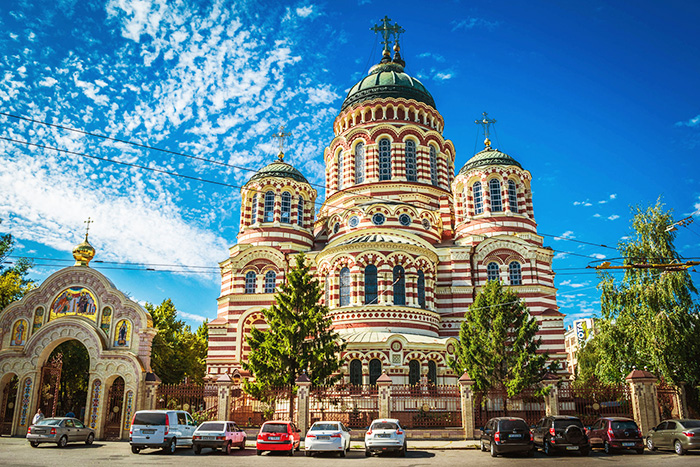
(498,346)
(299,338)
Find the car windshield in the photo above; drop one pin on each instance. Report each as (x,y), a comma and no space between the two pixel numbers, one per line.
(274,428)
(510,425)
(385,426)
(149,418)
(563,424)
(626,425)
(50,421)
(211,426)
(325,427)
(691,423)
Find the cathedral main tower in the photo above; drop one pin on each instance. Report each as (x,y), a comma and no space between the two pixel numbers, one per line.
(401,244)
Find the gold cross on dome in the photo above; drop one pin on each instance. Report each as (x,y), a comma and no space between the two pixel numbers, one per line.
(486,123)
(87,226)
(385,29)
(281,136)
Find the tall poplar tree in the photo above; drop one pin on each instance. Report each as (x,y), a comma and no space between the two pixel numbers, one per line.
(299,338)
(498,346)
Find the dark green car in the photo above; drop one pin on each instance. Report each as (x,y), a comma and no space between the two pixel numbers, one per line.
(679,435)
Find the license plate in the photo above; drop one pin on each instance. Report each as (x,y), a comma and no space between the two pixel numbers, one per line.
(325,438)
(273,438)
(383,436)
(572,448)
(148,432)
(38,431)
(628,444)
(210,438)
(516,435)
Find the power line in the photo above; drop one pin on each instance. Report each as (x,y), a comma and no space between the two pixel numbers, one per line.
(558,237)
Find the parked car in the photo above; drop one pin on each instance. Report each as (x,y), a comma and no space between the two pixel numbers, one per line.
(164,429)
(503,435)
(60,430)
(327,437)
(679,435)
(561,433)
(385,435)
(278,436)
(616,433)
(218,435)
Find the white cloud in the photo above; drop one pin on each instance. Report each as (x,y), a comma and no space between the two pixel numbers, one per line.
(472,22)
(321,95)
(436,57)
(613,217)
(561,255)
(598,256)
(47,82)
(305,11)
(692,123)
(613,196)
(565,235)
(443,76)
(596,215)
(574,285)
(192,316)
(582,203)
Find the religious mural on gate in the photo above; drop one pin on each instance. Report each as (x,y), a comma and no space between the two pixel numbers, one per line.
(74,301)
(38,319)
(19,333)
(122,333)
(106,320)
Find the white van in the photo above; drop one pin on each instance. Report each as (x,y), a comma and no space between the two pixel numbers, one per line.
(165,429)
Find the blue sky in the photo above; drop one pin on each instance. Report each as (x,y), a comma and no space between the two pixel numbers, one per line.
(598,100)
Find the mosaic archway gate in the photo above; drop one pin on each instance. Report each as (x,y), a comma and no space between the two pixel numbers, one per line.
(8,405)
(50,385)
(115,405)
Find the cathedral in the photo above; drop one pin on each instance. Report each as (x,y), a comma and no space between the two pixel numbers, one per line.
(402,243)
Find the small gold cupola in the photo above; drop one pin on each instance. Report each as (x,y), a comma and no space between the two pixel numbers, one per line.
(84,252)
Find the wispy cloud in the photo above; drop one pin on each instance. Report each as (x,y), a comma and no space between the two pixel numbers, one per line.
(613,217)
(583,203)
(574,285)
(610,198)
(565,235)
(692,123)
(598,256)
(192,316)
(474,22)
(436,57)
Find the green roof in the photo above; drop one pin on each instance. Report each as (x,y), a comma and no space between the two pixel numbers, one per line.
(388,80)
(489,156)
(279,169)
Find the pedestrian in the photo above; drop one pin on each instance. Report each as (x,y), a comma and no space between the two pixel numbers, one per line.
(37,417)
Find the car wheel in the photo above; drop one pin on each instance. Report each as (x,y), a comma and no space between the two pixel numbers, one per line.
(228,448)
(404,449)
(482,446)
(307,453)
(607,448)
(171,447)
(135,450)
(493,450)
(258,452)
(291,451)
(678,448)
(90,439)
(298,446)
(650,445)
(63,442)
(545,447)
(34,444)
(342,453)
(197,449)
(242,446)
(368,453)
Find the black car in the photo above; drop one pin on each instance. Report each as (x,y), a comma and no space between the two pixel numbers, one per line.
(507,435)
(558,433)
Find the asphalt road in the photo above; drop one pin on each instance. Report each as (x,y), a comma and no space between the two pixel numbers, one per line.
(17,452)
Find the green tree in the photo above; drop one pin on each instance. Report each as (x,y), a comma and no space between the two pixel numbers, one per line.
(176,352)
(650,316)
(13,280)
(498,346)
(299,338)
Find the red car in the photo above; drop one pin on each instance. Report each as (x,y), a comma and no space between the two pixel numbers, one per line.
(278,436)
(616,433)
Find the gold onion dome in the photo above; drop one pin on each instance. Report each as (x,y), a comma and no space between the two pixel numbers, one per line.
(83,253)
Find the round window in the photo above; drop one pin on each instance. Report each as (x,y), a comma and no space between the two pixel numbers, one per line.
(354,221)
(405,219)
(378,218)
(426,224)
(336,227)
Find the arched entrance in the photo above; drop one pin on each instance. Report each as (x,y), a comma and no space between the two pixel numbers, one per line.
(64,381)
(114,407)
(8,402)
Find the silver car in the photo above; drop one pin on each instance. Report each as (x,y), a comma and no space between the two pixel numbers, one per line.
(60,430)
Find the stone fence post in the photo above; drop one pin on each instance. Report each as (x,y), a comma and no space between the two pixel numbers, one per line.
(384,383)
(551,400)
(151,400)
(681,401)
(466,394)
(645,404)
(224,384)
(303,386)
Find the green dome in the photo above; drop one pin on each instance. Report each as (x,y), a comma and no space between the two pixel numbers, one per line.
(388,80)
(489,156)
(279,169)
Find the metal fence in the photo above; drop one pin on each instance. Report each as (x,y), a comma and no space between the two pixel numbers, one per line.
(527,405)
(666,395)
(426,406)
(355,406)
(595,400)
(201,400)
(249,411)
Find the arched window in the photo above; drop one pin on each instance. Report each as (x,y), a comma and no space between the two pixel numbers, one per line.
(478,198)
(433,167)
(384,159)
(421,289)
(515,273)
(411,161)
(399,286)
(340,170)
(492,271)
(432,373)
(254,209)
(269,206)
(360,162)
(375,371)
(495,191)
(270,278)
(371,285)
(356,372)
(512,196)
(413,372)
(344,287)
(250,282)
(286,207)
(300,212)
